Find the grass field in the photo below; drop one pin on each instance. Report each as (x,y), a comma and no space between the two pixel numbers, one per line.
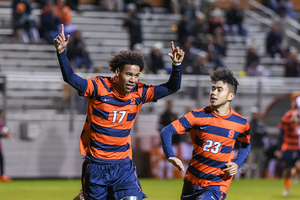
(154,189)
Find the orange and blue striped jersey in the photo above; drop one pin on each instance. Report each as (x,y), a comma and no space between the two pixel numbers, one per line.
(110,116)
(289,137)
(213,139)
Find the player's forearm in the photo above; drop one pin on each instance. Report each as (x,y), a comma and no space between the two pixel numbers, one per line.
(243,153)
(170,87)
(166,138)
(68,74)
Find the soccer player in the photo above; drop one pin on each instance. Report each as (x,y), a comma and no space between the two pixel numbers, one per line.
(288,150)
(213,131)
(113,104)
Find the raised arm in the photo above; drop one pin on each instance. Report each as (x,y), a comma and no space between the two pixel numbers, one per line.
(60,43)
(174,82)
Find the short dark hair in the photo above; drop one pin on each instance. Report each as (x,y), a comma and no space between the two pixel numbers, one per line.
(126,57)
(226,76)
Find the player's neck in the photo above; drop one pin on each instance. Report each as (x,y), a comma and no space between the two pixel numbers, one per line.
(222,110)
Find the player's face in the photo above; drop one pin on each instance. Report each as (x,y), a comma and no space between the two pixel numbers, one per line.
(127,78)
(219,94)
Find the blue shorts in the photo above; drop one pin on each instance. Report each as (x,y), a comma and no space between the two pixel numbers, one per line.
(196,192)
(109,182)
(289,158)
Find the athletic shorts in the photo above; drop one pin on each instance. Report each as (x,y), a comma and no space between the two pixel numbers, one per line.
(110,182)
(196,192)
(289,158)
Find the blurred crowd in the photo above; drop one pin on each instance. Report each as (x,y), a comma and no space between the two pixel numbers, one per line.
(201,33)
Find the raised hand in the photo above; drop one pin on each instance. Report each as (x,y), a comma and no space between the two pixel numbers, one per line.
(177,54)
(177,163)
(60,42)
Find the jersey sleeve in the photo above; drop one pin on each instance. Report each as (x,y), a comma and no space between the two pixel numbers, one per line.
(68,74)
(148,93)
(171,86)
(244,139)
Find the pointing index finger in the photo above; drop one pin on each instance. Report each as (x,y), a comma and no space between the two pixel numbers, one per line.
(172,46)
(62,30)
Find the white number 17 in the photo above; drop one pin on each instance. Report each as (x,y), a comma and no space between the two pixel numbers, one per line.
(115,112)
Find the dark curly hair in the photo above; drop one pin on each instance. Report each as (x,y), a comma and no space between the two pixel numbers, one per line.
(226,76)
(126,57)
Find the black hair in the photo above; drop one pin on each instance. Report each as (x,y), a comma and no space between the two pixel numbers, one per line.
(126,58)
(226,76)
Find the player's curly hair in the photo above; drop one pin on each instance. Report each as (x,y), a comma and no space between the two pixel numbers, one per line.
(226,76)
(126,57)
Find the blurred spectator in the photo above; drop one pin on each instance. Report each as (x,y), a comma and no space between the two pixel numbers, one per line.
(220,45)
(184,29)
(155,61)
(272,4)
(251,57)
(24,23)
(257,153)
(133,23)
(113,5)
(64,13)
(73,4)
(4,133)
(201,66)
(292,64)
(274,39)
(167,117)
(77,54)
(209,43)
(189,57)
(215,23)
(172,6)
(214,58)
(50,24)
(234,20)
(199,30)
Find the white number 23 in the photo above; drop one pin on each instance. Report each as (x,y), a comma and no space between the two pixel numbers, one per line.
(209,144)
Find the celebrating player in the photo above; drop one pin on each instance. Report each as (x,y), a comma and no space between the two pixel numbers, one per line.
(213,131)
(113,104)
(288,150)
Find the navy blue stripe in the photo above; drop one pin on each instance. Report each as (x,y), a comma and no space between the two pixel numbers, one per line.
(203,113)
(108,89)
(95,92)
(109,148)
(144,93)
(100,113)
(199,142)
(135,88)
(226,149)
(131,116)
(237,119)
(110,131)
(293,136)
(113,101)
(202,175)
(208,161)
(293,143)
(217,130)
(185,123)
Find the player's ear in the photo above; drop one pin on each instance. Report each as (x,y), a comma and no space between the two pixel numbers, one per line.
(117,71)
(231,96)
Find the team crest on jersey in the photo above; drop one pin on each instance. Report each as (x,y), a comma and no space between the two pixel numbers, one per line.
(231,134)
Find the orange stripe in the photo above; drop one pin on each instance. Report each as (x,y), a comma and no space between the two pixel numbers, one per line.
(109,139)
(224,185)
(109,155)
(245,139)
(206,169)
(178,127)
